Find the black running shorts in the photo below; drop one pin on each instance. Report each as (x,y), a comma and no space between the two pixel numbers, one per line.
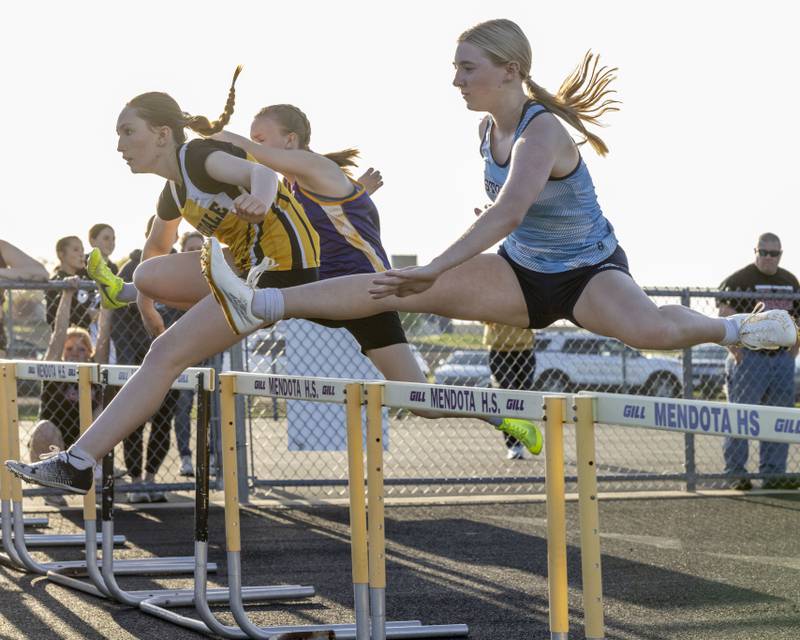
(552,296)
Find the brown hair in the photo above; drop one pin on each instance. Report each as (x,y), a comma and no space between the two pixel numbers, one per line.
(97,229)
(83,334)
(292,120)
(581,98)
(187,235)
(159,109)
(62,243)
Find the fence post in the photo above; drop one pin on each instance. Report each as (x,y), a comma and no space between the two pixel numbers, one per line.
(237,364)
(688,391)
(9,322)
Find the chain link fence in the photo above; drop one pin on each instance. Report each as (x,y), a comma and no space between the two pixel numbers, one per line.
(298,448)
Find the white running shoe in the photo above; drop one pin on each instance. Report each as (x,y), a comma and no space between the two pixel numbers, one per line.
(234,296)
(773,329)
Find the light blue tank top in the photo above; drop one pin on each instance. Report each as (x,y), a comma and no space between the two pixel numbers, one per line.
(565,228)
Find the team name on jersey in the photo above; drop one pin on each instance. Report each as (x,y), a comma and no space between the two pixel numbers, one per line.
(492,188)
(212,217)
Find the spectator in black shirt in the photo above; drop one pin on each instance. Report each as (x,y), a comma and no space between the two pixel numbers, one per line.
(72,262)
(761,377)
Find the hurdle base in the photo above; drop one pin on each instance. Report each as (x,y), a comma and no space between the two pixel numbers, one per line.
(34,540)
(148,566)
(157,605)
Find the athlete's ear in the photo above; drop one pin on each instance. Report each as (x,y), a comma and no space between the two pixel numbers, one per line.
(291,140)
(164,135)
(512,71)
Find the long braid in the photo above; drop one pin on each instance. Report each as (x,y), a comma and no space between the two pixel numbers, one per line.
(201,124)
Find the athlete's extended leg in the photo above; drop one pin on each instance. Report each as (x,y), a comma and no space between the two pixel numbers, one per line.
(483,288)
(612,304)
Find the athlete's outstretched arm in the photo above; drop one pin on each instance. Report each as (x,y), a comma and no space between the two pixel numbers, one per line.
(532,160)
(312,171)
(260,181)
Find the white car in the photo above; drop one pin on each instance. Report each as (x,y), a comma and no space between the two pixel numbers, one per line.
(575,360)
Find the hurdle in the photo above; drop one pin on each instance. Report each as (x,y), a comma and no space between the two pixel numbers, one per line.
(507,403)
(83,374)
(104,584)
(159,605)
(337,391)
(13,522)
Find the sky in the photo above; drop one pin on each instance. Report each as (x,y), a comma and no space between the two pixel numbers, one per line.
(703,151)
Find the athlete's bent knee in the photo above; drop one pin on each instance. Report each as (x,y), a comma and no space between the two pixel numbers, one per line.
(145,278)
(162,356)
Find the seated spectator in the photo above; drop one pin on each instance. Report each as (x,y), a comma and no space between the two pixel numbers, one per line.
(71,262)
(59,412)
(15,265)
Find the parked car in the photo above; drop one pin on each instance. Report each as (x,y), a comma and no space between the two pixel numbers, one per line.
(708,370)
(468,368)
(576,360)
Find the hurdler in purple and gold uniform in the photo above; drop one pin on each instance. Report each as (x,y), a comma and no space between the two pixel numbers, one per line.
(349,231)
(350,243)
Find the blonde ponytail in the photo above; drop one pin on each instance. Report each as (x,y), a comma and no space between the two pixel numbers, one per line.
(582,98)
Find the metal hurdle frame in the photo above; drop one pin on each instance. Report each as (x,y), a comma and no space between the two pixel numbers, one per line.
(530,405)
(329,390)
(103,582)
(17,551)
(201,596)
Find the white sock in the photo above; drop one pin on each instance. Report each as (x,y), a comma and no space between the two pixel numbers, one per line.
(80,459)
(129,293)
(268,304)
(731,331)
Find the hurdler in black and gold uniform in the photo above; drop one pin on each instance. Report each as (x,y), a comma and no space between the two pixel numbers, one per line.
(285,235)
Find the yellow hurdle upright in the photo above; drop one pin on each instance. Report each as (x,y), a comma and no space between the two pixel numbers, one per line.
(377,534)
(556,517)
(358,511)
(590,519)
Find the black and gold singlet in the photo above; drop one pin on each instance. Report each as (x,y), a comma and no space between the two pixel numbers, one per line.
(285,235)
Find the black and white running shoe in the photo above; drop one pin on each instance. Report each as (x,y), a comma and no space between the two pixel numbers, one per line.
(54,471)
